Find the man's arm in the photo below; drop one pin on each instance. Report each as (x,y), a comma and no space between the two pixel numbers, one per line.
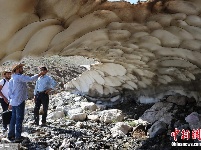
(10,92)
(25,78)
(10,89)
(1,94)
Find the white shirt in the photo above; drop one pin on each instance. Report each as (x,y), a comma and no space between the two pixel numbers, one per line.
(4,90)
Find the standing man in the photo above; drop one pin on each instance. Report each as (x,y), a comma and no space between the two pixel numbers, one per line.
(4,93)
(17,95)
(44,85)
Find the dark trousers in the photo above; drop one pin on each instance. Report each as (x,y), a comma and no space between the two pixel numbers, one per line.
(41,98)
(4,106)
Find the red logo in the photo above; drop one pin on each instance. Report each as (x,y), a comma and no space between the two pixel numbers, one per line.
(185,134)
(196,134)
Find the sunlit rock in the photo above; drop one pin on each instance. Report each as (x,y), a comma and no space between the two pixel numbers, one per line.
(112,115)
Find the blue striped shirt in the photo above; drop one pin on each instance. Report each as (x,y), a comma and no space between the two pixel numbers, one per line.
(17,90)
(44,83)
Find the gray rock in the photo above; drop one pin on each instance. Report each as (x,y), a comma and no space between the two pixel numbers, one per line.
(78,98)
(56,115)
(78,116)
(112,115)
(179,100)
(120,127)
(79,143)
(88,106)
(157,128)
(93,117)
(79,124)
(75,111)
(65,144)
(101,106)
(159,111)
(194,120)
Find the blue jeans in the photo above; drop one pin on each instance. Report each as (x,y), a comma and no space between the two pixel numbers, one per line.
(15,128)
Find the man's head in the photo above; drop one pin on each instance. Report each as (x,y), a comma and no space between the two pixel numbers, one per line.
(6,74)
(43,69)
(18,68)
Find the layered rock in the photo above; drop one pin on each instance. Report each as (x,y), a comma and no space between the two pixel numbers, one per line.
(140,47)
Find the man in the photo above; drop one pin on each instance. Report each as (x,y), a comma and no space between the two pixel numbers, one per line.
(17,95)
(4,93)
(44,85)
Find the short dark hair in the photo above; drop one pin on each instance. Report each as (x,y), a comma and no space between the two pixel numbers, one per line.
(44,68)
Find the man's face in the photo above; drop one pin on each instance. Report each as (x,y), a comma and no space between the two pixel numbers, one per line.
(7,75)
(43,71)
(21,71)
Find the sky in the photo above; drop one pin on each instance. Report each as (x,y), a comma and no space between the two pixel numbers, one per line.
(131,1)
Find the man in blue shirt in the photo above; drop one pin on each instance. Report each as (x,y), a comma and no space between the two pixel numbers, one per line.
(44,85)
(17,93)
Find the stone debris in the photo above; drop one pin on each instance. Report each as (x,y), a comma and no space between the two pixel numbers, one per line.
(112,127)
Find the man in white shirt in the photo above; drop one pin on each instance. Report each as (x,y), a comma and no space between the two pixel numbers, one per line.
(4,84)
